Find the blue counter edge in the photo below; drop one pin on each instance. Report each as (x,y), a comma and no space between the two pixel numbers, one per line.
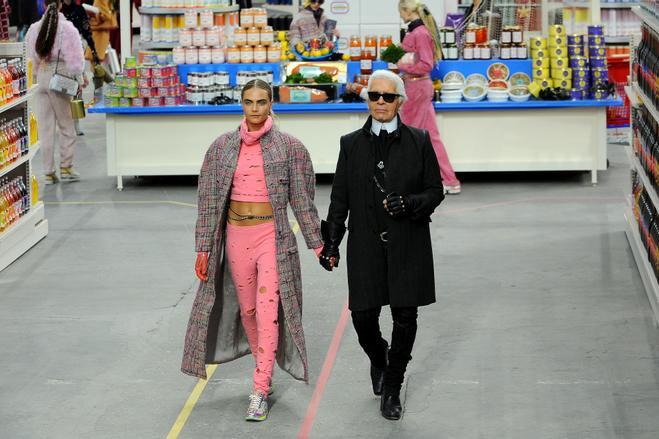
(350,108)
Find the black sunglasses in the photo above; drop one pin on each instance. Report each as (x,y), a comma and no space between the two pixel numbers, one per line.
(320,2)
(375,96)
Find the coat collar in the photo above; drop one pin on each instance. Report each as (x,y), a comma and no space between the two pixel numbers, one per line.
(414,24)
(369,122)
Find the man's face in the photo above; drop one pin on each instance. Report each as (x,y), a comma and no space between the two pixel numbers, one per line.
(380,110)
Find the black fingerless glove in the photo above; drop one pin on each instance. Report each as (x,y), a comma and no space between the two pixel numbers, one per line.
(399,206)
(332,235)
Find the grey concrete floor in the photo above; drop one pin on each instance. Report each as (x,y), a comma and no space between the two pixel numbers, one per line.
(542,328)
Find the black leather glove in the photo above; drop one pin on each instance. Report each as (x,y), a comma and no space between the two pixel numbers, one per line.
(332,235)
(399,206)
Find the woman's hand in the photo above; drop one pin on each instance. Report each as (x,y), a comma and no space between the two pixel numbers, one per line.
(336,33)
(201,266)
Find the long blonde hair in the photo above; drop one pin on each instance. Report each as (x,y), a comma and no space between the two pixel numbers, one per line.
(428,20)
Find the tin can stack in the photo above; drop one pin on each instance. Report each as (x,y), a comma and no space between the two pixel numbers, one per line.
(209,38)
(145,85)
(589,65)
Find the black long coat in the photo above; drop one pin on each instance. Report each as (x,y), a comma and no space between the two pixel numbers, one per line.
(402,275)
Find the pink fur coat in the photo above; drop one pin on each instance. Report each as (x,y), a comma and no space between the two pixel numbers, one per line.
(67,44)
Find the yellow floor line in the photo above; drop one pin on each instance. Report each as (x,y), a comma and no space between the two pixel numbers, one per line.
(296,227)
(190,403)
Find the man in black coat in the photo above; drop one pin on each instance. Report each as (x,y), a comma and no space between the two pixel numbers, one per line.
(387,178)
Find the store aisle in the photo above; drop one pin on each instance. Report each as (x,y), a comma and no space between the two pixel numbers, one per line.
(542,328)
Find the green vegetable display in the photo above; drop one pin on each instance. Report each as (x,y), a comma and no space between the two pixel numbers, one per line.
(392,54)
(297,78)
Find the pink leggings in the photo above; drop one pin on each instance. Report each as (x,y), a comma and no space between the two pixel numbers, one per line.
(252,256)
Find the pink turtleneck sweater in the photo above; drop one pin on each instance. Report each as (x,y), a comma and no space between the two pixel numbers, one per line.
(249,179)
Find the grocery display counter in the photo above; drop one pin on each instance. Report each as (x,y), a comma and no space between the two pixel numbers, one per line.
(479,137)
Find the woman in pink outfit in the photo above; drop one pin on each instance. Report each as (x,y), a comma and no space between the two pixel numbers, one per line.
(247,255)
(418,111)
(53,44)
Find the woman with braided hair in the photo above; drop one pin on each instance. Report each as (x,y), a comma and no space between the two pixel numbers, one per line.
(53,44)
(422,40)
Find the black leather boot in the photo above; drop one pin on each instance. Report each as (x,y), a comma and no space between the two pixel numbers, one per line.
(377,375)
(390,406)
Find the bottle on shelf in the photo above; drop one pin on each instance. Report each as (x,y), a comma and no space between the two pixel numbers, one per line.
(355,48)
(35,190)
(34,129)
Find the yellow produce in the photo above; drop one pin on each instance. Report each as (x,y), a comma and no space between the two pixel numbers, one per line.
(291,56)
(283,58)
(305,53)
(346,57)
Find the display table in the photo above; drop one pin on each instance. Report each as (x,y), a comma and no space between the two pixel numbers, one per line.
(479,137)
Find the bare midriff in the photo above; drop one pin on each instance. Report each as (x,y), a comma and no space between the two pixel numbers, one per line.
(248,213)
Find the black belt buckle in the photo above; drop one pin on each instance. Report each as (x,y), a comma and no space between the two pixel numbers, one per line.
(384,236)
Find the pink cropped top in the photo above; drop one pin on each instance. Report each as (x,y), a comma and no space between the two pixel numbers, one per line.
(249,178)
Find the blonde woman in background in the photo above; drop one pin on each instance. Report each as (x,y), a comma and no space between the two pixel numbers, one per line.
(422,40)
(309,23)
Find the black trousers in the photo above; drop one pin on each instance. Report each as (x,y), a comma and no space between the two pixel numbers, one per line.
(367,326)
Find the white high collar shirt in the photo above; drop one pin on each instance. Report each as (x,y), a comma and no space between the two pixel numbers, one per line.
(389,127)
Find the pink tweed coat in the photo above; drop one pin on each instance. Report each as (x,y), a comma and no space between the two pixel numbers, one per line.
(215,334)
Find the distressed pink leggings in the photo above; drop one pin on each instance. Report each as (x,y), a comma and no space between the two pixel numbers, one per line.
(252,256)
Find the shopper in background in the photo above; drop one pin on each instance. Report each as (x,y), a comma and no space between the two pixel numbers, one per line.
(24,13)
(101,24)
(248,179)
(423,50)
(53,44)
(309,23)
(77,15)
(388,180)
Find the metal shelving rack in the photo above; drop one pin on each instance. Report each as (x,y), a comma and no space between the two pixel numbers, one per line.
(638,97)
(32,227)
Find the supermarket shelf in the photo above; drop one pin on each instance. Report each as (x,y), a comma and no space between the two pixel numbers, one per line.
(619,5)
(625,39)
(351,108)
(22,235)
(642,262)
(575,5)
(26,158)
(18,101)
(286,9)
(12,49)
(636,164)
(181,11)
(633,97)
(647,102)
(149,45)
(647,17)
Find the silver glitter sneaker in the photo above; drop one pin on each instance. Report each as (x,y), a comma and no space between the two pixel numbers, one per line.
(258,407)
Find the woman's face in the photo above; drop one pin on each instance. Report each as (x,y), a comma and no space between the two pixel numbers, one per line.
(315,4)
(256,106)
(405,15)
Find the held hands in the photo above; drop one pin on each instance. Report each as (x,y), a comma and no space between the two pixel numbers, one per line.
(329,257)
(201,266)
(399,206)
(332,234)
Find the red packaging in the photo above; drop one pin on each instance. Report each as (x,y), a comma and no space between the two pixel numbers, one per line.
(144,82)
(131,73)
(145,92)
(145,72)
(155,102)
(138,102)
(171,101)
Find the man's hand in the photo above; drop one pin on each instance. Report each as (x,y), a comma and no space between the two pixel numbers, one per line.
(398,206)
(329,257)
(201,266)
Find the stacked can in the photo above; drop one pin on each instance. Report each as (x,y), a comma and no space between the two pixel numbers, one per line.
(145,86)
(599,72)
(540,61)
(561,73)
(580,67)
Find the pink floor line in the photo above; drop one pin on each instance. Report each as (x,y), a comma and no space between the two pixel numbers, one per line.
(325,372)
